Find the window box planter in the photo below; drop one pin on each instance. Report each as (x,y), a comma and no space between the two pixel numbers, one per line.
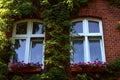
(90,69)
(21,67)
(97,66)
(85,69)
(76,69)
(25,70)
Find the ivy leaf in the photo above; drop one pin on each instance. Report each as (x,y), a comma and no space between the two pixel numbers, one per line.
(83,1)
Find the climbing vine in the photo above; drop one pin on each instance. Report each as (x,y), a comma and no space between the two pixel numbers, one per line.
(115,3)
(56,15)
(57,23)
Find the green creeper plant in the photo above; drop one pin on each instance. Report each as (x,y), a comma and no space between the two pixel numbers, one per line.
(16,77)
(57,22)
(115,3)
(3,71)
(56,15)
(35,77)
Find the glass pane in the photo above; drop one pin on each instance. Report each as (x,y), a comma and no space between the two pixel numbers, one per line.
(93,27)
(95,50)
(21,28)
(20,49)
(36,50)
(78,27)
(78,55)
(37,28)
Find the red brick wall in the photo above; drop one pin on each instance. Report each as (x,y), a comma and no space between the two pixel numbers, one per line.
(110,16)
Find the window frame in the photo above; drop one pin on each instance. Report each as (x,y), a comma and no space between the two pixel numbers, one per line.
(86,34)
(28,37)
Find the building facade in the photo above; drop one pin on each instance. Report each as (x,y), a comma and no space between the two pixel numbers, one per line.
(95,35)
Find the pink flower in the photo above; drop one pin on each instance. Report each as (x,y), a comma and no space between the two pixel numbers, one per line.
(21,64)
(96,63)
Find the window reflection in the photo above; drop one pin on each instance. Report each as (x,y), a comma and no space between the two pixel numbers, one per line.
(37,28)
(21,28)
(78,27)
(95,50)
(93,27)
(20,49)
(36,50)
(78,55)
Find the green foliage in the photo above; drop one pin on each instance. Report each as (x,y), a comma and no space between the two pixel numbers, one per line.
(90,76)
(57,21)
(54,74)
(81,77)
(3,40)
(5,54)
(35,77)
(115,3)
(3,77)
(6,50)
(118,25)
(16,77)
(25,8)
(2,27)
(114,67)
(56,16)
(3,71)
(110,72)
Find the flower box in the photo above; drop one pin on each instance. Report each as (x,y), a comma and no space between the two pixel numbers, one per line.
(96,66)
(25,70)
(85,69)
(76,69)
(21,67)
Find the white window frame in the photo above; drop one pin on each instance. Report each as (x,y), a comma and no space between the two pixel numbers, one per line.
(86,34)
(27,37)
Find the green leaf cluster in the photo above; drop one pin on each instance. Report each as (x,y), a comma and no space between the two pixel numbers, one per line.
(16,77)
(3,71)
(54,74)
(115,3)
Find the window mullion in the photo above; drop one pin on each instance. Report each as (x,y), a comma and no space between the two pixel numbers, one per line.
(29,29)
(85,27)
(86,49)
(86,42)
(27,52)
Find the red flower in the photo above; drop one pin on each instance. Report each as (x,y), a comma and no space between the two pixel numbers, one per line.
(18,65)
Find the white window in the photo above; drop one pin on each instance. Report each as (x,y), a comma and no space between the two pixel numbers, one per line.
(29,38)
(88,41)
